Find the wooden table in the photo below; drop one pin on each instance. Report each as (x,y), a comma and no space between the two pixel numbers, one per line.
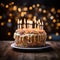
(7,53)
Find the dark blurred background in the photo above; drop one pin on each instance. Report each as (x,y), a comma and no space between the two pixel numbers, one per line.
(46,10)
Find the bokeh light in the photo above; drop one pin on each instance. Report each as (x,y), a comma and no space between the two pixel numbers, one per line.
(25,8)
(51,17)
(2,23)
(30,8)
(12,11)
(40,9)
(10,14)
(6,6)
(54,20)
(58,11)
(52,9)
(38,5)
(44,18)
(0,17)
(44,11)
(9,33)
(19,9)
(57,34)
(33,6)
(9,20)
(50,37)
(14,8)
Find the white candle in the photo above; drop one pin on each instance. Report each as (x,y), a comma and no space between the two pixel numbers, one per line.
(20,23)
(38,20)
(29,24)
(39,23)
(42,25)
(35,23)
(18,26)
(24,23)
(24,20)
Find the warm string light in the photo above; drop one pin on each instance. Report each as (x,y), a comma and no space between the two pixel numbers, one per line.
(44,18)
(9,33)
(58,24)
(44,11)
(51,17)
(30,8)
(57,34)
(49,37)
(12,3)
(9,20)
(14,8)
(38,5)
(25,9)
(58,11)
(10,14)
(54,20)
(40,9)
(52,9)
(2,23)
(0,17)
(19,9)
(33,6)
(7,6)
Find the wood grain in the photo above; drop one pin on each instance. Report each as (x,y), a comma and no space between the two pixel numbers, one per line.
(7,53)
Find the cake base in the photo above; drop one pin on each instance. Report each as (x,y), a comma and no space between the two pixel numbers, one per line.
(47,45)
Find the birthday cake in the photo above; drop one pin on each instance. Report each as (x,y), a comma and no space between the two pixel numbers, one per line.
(30,37)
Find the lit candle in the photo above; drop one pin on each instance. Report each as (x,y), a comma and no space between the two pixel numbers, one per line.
(29,24)
(24,20)
(39,21)
(39,24)
(35,23)
(18,26)
(20,23)
(42,25)
(24,23)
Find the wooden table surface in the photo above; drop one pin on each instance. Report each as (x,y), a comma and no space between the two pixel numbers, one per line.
(7,53)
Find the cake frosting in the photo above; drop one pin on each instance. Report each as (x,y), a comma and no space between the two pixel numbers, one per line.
(30,37)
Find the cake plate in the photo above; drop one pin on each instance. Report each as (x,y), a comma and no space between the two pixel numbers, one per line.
(31,48)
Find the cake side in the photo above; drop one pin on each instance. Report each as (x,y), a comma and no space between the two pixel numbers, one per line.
(30,37)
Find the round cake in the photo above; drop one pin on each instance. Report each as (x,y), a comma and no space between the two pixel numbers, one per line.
(30,37)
